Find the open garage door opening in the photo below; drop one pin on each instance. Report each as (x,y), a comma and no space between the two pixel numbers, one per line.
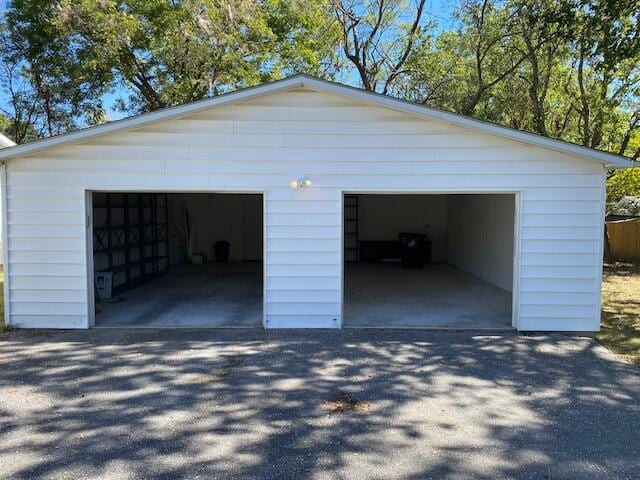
(429,261)
(177,259)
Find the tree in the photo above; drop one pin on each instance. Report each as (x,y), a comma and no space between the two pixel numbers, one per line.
(567,69)
(623,183)
(44,63)
(544,27)
(21,116)
(377,40)
(161,52)
(607,48)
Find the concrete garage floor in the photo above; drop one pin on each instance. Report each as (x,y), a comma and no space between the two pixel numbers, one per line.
(209,295)
(253,404)
(437,296)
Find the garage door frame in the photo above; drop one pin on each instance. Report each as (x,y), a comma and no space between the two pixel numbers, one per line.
(88,204)
(517,234)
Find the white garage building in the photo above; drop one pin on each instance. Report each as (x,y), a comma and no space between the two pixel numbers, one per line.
(304,187)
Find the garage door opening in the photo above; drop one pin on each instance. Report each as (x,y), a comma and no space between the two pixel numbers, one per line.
(458,256)
(177,259)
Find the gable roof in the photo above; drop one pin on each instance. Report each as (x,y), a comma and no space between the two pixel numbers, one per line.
(610,160)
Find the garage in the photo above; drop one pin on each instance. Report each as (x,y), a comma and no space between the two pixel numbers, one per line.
(308,184)
(177,259)
(429,261)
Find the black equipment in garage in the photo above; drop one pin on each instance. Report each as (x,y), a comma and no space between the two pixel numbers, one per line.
(221,249)
(414,252)
(413,249)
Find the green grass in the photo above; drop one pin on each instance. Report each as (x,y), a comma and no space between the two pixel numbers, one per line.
(620,328)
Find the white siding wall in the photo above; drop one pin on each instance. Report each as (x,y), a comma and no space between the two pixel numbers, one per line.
(341,146)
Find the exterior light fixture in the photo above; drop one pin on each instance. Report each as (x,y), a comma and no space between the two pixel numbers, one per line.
(300,182)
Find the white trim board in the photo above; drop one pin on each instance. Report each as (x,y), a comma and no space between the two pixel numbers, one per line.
(5,246)
(89,254)
(609,160)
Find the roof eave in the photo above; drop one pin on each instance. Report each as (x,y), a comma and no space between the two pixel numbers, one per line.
(609,160)
(143,120)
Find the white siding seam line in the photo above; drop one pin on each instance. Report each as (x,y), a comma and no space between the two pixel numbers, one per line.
(603,200)
(424,112)
(145,119)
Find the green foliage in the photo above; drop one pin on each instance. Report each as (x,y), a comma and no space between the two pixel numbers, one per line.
(5,126)
(160,52)
(623,183)
(568,69)
(59,89)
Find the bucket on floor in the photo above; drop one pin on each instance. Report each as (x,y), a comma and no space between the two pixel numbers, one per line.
(221,249)
(104,284)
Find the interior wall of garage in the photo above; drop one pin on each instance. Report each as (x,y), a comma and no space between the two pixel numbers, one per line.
(383,217)
(480,236)
(212,217)
(474,232)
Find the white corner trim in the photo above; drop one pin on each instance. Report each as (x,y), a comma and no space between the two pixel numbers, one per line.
(5,245)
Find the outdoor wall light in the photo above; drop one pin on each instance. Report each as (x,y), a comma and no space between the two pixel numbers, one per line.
(300,182)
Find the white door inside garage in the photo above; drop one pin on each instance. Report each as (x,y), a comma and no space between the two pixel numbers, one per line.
(429,260)
(177,259)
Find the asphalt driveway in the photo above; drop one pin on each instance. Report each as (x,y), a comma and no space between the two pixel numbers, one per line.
(314,405)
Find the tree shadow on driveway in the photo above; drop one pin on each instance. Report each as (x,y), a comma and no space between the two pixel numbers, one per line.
(256,404)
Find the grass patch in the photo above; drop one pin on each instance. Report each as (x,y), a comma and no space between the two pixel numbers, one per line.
(620,328)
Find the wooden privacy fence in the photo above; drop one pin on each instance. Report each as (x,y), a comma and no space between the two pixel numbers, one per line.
(622,240)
